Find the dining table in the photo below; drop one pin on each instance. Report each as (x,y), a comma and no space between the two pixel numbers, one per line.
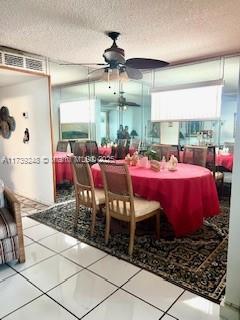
(187,195)
(225,160)
(63,169)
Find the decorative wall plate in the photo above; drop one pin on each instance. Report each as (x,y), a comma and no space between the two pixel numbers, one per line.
(4,113)
(5,129)
(7,123)
(12,123)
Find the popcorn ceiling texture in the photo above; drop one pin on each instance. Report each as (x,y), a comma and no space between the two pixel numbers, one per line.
(73,30)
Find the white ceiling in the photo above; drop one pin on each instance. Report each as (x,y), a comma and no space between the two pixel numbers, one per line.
(10,77)
(73,30)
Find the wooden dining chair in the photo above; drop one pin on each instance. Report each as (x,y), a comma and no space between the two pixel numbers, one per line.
(211,165)
(195,155)
(62,146)
(79,149)
(121,203)
(166,150)
(92,151)
(72,145)
(85,193)
(135,144)
(175,151)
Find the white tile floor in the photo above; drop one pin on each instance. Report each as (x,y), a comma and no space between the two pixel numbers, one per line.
(64,279)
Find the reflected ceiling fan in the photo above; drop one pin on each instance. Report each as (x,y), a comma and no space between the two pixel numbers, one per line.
(117,68)
(122,102)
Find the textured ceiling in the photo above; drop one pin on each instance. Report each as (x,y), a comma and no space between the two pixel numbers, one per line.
(73,30)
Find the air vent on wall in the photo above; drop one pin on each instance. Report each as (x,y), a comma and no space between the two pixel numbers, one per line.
(13,60)
(22,62)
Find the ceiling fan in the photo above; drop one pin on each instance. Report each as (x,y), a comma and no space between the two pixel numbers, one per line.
(117,68)
(122,102)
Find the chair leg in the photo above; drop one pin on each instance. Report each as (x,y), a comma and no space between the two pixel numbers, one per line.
(21,257)
(158,226)
(107,228)
(132,236)
(93,221)
(21,248)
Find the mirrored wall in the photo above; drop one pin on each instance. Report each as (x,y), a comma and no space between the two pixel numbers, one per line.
(108,111)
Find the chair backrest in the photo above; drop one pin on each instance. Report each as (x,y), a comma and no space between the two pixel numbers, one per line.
(91,148)
(72,145)
(121,152)
(230,146)
(211,159)
(62,146)
(79,149)
(175,150)
(135,144)
(118,189)
(166,150)
(83,182)
(195,155)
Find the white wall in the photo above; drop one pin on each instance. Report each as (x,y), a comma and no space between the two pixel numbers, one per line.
(230,307)
(55,116)
(34,181)
(169,132)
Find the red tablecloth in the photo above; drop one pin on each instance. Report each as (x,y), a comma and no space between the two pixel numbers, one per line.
(225,160)
(63,170)
(187,195)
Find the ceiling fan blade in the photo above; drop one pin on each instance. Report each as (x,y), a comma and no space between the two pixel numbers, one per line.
(83,64)
(131,104)
(134,73)
(145,63)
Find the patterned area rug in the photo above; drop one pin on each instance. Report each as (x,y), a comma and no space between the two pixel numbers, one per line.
(196,263)
(65,192)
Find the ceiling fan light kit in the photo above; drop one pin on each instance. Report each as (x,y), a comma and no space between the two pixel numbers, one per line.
(117,68)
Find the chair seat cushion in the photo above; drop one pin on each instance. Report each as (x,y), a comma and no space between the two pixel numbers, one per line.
(99,196)
(8,226)
(143,206)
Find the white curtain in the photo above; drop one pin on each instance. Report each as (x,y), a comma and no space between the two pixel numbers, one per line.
(78,111)
(196,103)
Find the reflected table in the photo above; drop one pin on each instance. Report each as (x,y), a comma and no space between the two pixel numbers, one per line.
(63,169)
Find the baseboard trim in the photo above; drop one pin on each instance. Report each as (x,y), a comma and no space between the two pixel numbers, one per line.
(229,312)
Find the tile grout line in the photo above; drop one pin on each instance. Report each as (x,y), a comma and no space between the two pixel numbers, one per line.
(43,294)
(100,276)
(117,289)
(173,305)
